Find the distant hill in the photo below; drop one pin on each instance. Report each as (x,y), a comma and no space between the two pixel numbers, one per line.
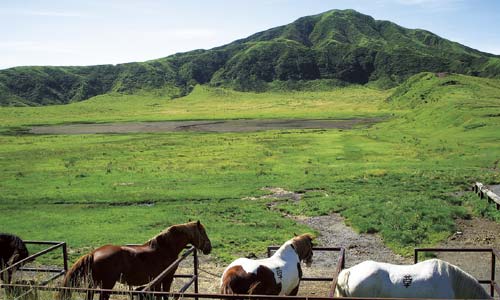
(339,47)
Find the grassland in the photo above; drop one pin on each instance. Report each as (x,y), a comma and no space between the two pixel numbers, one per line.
(204,104)
(396,179)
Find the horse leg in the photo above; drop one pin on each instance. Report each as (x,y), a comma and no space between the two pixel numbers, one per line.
(294,291)
(107,285)
(165,286)
(9,276)
(90,295)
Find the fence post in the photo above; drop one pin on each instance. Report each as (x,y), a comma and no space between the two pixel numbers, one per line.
(195,272)
(65,257)
(493,267)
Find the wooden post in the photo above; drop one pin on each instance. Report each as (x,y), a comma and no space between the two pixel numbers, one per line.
(484,192)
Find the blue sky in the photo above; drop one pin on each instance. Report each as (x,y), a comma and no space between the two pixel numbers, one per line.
(89,32)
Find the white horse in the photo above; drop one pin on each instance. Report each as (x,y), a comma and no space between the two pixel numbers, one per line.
(429,279)
(278,275)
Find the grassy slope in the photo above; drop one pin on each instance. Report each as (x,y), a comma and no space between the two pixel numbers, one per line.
(339,46)
(448,139)
(395,179)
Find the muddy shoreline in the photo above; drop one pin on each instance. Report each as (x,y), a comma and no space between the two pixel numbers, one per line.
(243,125)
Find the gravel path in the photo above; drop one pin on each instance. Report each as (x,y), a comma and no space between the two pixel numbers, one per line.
(359,247)
(474,233)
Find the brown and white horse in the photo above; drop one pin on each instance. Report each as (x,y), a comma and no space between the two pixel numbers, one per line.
(135,265)
(278,275)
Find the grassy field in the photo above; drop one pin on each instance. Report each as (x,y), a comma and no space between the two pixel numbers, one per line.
(204,104)
(396,178)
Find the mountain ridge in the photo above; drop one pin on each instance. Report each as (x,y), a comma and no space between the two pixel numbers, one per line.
(342,46)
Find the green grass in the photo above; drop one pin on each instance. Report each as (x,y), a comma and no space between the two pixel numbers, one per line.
(395,179)
(203,104)
(86,226)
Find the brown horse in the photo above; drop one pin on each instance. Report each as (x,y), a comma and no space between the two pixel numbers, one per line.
(135,265)
(12,250)
(278,275)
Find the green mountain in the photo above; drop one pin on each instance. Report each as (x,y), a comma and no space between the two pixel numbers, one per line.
(338,47)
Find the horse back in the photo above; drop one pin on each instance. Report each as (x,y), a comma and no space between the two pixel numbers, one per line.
(424,280)
(280,276)
(236,280)
(134,265)
(109,261)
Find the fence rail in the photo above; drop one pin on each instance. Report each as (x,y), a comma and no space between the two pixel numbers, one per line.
(53,246)
(193,278)
(483,192)
(200,295)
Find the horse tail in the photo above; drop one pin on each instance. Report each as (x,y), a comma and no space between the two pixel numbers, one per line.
(253,287)
(464,285)
(226,289)
(80,271)
(342,287)
(225,284)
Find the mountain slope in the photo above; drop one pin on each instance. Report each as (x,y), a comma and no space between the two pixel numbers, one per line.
(339,45)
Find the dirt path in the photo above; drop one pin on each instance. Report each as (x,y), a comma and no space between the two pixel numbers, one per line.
(474,233)
(359,247)
(204,126)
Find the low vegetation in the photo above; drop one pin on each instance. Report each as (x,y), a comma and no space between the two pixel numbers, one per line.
(397,179)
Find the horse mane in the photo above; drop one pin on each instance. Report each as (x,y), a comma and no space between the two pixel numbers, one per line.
(300,244)
(168,232)
(17,242)
(464,285)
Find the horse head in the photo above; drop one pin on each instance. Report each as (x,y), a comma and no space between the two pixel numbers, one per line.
(200,238)
(303,246)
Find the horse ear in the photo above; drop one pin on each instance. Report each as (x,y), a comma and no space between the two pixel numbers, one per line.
(294,234)
(198,223)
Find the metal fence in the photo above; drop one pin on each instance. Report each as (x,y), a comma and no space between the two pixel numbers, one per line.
(146,291)
(52,246)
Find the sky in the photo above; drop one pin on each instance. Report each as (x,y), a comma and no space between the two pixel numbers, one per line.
(90,32)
